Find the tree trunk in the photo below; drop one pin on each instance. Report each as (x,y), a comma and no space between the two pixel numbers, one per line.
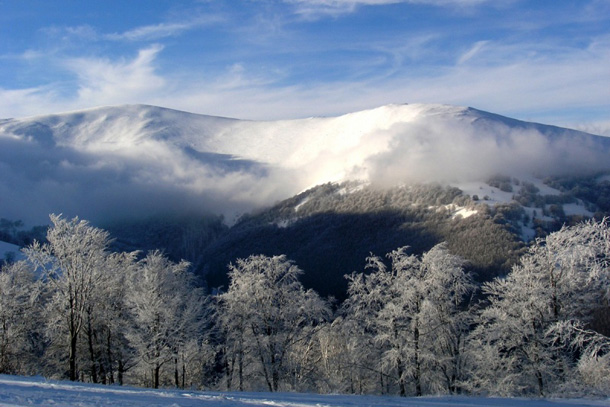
(229,369)
(183,373)
(91,350)
(540,383)
(156,372)
(275,374)
(72,357)
(176,376)
(120,372)
(240,366)
(401,379)
(109,356)
(417,374)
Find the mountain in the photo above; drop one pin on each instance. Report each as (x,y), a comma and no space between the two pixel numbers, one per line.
(331,229)
(120,162)
(326,192)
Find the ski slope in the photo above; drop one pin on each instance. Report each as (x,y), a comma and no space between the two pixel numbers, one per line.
(19,391)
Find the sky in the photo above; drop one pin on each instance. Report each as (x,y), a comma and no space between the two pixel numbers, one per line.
(546,61)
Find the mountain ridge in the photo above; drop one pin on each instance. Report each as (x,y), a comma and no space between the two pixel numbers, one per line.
(145,158)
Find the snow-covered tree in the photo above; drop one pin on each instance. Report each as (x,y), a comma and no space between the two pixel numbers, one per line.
(72,264)
(593,367)
(107,321)
(563,278)
(412,310)
(448,318)
(347,361)
(169,313)
(266,313)
(19,318)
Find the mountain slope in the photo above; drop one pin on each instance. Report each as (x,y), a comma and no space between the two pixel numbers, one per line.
(134,161)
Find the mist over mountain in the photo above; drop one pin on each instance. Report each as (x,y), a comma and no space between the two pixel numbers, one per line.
(136,161)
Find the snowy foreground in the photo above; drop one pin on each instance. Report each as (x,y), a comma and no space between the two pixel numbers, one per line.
(19,391)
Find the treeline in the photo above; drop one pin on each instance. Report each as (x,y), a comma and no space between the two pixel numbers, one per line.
(14,232)
(410,325)
(330,229)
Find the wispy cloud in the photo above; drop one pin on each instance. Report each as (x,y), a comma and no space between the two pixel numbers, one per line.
(151,32)
(270,64)
(313,8)
(162,30)
(476,48)
(106,82)
(523,80)
(601,128)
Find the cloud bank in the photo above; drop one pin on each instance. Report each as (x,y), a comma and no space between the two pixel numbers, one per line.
(457,152)
(104,187)
(138,161)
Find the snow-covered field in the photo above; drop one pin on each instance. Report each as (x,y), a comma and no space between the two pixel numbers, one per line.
(7,249)
(20,391)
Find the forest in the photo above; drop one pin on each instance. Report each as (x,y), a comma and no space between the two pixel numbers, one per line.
(410,324)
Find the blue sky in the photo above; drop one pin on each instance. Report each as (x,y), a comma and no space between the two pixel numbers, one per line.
(547,61)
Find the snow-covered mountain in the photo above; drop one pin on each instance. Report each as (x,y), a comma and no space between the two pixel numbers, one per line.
(112,162)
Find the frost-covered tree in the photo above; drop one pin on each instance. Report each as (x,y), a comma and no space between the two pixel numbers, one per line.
(347,361)
(107,320)
(413,311)
(169,313)
(72,265)
(563,278)
(266,313)
(448,315)
(372,299)
(593,367)
(19,318)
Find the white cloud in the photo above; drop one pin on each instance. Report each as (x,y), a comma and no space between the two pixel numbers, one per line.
(150,32)
(541,82)
(162,30)
(29,102)
(601,128)
(476,48)
(525,81)
(102,81)
(313,8)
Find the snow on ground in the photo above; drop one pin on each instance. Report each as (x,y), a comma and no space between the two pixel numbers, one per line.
(303,202)
(486,193)
(492,195)
(577,209)
(6,249)
(464,212)
(20,391)
(460,211)
(539,183)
